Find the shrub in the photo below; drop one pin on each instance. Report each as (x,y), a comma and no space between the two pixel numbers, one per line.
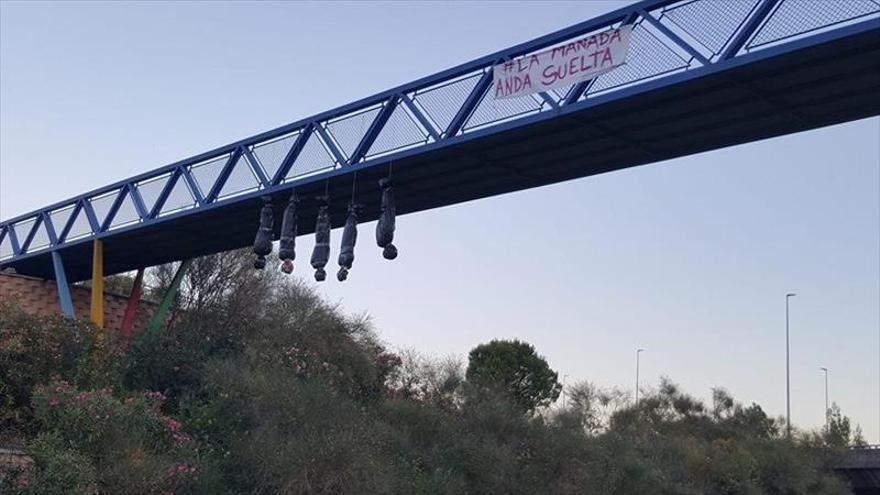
(134,447)
(262,387)
(59,469)
(33,349)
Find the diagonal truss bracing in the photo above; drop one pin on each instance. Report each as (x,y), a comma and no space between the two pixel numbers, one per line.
(672,40)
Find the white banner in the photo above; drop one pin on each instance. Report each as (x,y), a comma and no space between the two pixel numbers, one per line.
(577,61)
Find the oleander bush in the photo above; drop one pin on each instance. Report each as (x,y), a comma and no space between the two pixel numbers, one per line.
(123,441)
(35,349)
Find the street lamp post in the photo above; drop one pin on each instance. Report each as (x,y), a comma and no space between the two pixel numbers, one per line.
(787,371)
(825,370)
(638,352)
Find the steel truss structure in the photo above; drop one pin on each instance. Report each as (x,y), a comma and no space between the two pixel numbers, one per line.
(452,117)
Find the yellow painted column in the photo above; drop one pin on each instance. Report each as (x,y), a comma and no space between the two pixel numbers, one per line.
(98,284)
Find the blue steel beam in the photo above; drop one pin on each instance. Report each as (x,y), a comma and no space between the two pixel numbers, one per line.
(31,233)
(693,52)
(549,100)
(292,154)
(50,228)
(94,221)
(520,49)
(373,131)
(427,81)
(575,93)
(759,15)
(338,155)
(730,58)
(166,191)
(255,166)
(64,298)
(62,236)
(138,201)
(114,208)
(191,182)
(470,104)
(231,162)
(13,240)
(420,117)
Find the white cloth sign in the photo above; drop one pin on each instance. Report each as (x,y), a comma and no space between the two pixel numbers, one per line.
(577,61)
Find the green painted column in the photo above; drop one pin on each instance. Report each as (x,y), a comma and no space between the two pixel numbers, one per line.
(168,299)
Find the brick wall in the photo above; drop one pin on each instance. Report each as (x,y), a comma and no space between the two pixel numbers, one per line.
(38,296)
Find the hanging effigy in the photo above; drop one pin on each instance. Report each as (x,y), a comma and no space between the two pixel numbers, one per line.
(321,253)
(287,245)
(349,238)
(385,226)
(263,239)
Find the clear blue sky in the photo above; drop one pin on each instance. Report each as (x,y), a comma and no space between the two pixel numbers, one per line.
(689,259)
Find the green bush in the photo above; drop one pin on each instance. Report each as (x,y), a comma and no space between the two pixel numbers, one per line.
(259,386)
(34,349)
(59,469)
(133,447)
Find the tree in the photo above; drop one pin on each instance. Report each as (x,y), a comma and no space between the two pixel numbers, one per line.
(515,369)
(839,432)
(591,407)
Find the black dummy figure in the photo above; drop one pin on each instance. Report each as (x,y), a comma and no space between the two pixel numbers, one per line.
(321,253)
(286,250)
(263,239)
(349,238)
(385,226)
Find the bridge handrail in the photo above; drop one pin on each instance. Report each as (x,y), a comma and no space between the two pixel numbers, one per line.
(666,27)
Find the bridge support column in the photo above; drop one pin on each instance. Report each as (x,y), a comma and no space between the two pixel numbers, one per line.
(64,298)
(97,307)
(162,311)
(131,308)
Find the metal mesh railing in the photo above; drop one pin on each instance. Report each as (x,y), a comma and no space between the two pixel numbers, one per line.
(180,198)
(401,131)
(348,131)
(674,34)
(798,17)
(314,157)
(23,230)
(150,190)
(81,226)
(127,214)
(101,205)
(442,102)
(207,173)
(240,180)
(648,57)
(272,153)
(5,247)
(60,217)
(491,110)
(710,22)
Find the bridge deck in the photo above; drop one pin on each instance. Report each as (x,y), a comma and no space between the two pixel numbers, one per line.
(861,466)
(797,87)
